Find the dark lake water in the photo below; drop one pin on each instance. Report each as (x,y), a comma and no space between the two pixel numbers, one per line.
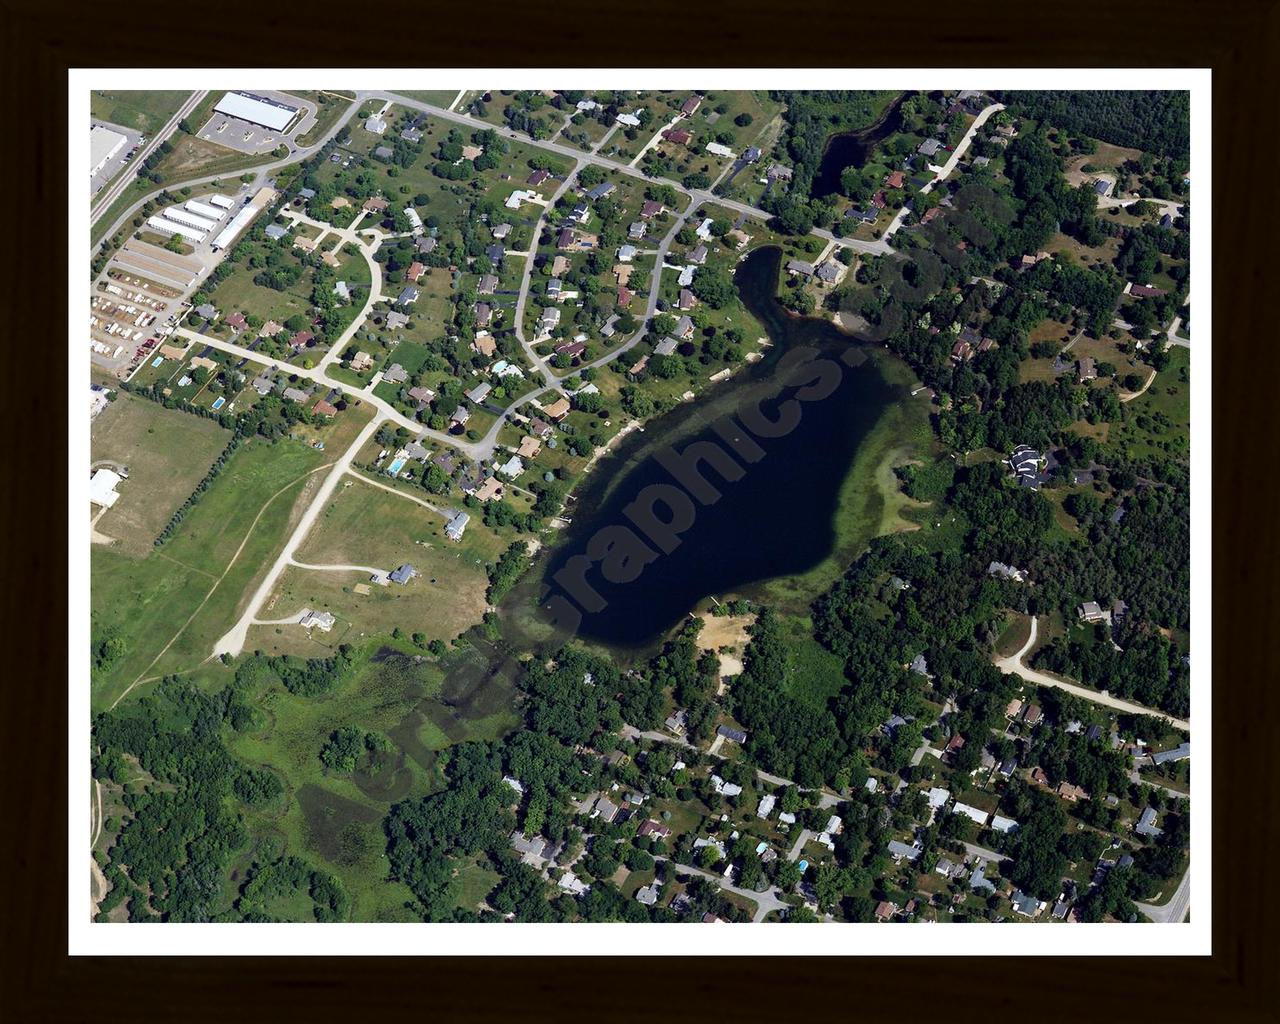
(853,149)
(775,520)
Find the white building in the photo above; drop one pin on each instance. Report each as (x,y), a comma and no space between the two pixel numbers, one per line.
(103,145)
(190,219)
(257,110)
(221,201)
(168,228)
(204,210)
(102,487)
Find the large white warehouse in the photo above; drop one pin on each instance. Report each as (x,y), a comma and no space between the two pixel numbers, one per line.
(256,110)
(103,145)
(222,201)
(169,227)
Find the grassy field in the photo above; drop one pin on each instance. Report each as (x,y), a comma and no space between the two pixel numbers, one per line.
(437,98)
(363,525)
(814,675)
(194,157)
(329,109)
(167,453)
(1158,422)
(238,293)
(146,110)
(171,606)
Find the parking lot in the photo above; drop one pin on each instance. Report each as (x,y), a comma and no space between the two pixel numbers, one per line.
(246,137)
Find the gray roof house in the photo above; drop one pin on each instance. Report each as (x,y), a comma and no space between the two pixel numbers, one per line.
(1147,823)
(730,733)
(403,574)
(901,851)
(396,374)
(408,296)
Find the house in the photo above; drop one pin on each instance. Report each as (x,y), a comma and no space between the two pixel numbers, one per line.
(1071,792)
(479,393)
(1179,753)
(1026,464)
(1102,186)
(697,256)
(322,620)
(901,851)
(684,328)
(396,320)
(895,179)
(1146,291)
(766,806)
(301,340)
(725,788)
(501,231)
(625,295)
(1032,714)
(207,311)
(581,213)
(488,284)
(978,880)
(716,149)
(961,352)
(262,384)
(425,245)
(970,812)
(540,428)
(538,177)
(375,124)
(636,231)
(665,347)
(1147,823)
(690,106)
(751,155)
(1086,369)
(102,487)
(415,271)
(829,272)
(512,468)
(729,733)
(937,798)
(571,883)
(1014,708)
(237,322)
(800,267)
(323,408)
(653,829)
(460,416)
(885,910)
(342,290)
(738,237)
(605,809)
(549,319)
(1166,221)
(678,136)
(626,252)
(1027,906)
(1002,824)
(1026,262)
(651,209)
(484,344)
(408,296)
(276,232)
(686,299)
(384,153)
(628,120)
(557,410)
(1039,777)
(490,490)
(601,190)
(981,161)
(777,172)
(484,313)
(403,574)
(1006,572)
(421,396)
(919,666)
(395,374)
(1091,611)
(955,743)
(413,135)
(929,147)
(648,894)
(565,239)
(947,868)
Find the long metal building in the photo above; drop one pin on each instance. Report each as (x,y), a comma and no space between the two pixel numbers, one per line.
(190,219)
(204,210)
(168,227)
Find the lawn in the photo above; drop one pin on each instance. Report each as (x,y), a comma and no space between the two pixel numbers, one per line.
(167,453)
(363,525)
(328,109)
(171,606)
(193,157)
(144,109)
(1158,422)
(238,293)
(814,675)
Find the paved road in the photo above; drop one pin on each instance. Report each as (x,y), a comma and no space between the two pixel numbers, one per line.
(1176,910)
(1013,665)
(112,192)
(981,851)
(766,902)
(233,641)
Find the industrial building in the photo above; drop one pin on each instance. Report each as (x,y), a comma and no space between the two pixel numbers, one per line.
(259,110)
(204,210)
(168,227)
(221,201)
(264,198)
(103,145)
(188,218)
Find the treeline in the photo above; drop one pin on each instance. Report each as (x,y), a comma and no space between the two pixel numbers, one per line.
(303,678)
(1158,121)
(504,573)
(214,472)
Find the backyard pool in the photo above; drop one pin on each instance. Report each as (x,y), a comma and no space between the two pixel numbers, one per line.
(219,402)
(395,467)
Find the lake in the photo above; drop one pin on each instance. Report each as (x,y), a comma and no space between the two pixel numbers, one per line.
(775,519)
(852,149)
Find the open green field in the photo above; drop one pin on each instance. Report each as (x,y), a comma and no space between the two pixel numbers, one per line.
(146,110)
(193,157)
(238,293)
(437,98)
(366,526)
(1158,422)
(172,605)
(329,108)
(814,675)
(167,453)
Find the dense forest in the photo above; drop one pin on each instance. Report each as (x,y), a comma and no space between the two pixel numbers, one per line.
(1156,121)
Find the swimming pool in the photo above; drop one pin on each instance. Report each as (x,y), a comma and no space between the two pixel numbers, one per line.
(219,402)
(395,467)
(157,360)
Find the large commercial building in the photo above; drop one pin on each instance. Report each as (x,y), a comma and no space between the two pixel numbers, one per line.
(103,145)
(257,110)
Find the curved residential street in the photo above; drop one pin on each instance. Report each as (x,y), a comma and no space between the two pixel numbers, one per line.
(1013,665)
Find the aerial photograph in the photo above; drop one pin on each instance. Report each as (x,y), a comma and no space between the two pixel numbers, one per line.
(639,506)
